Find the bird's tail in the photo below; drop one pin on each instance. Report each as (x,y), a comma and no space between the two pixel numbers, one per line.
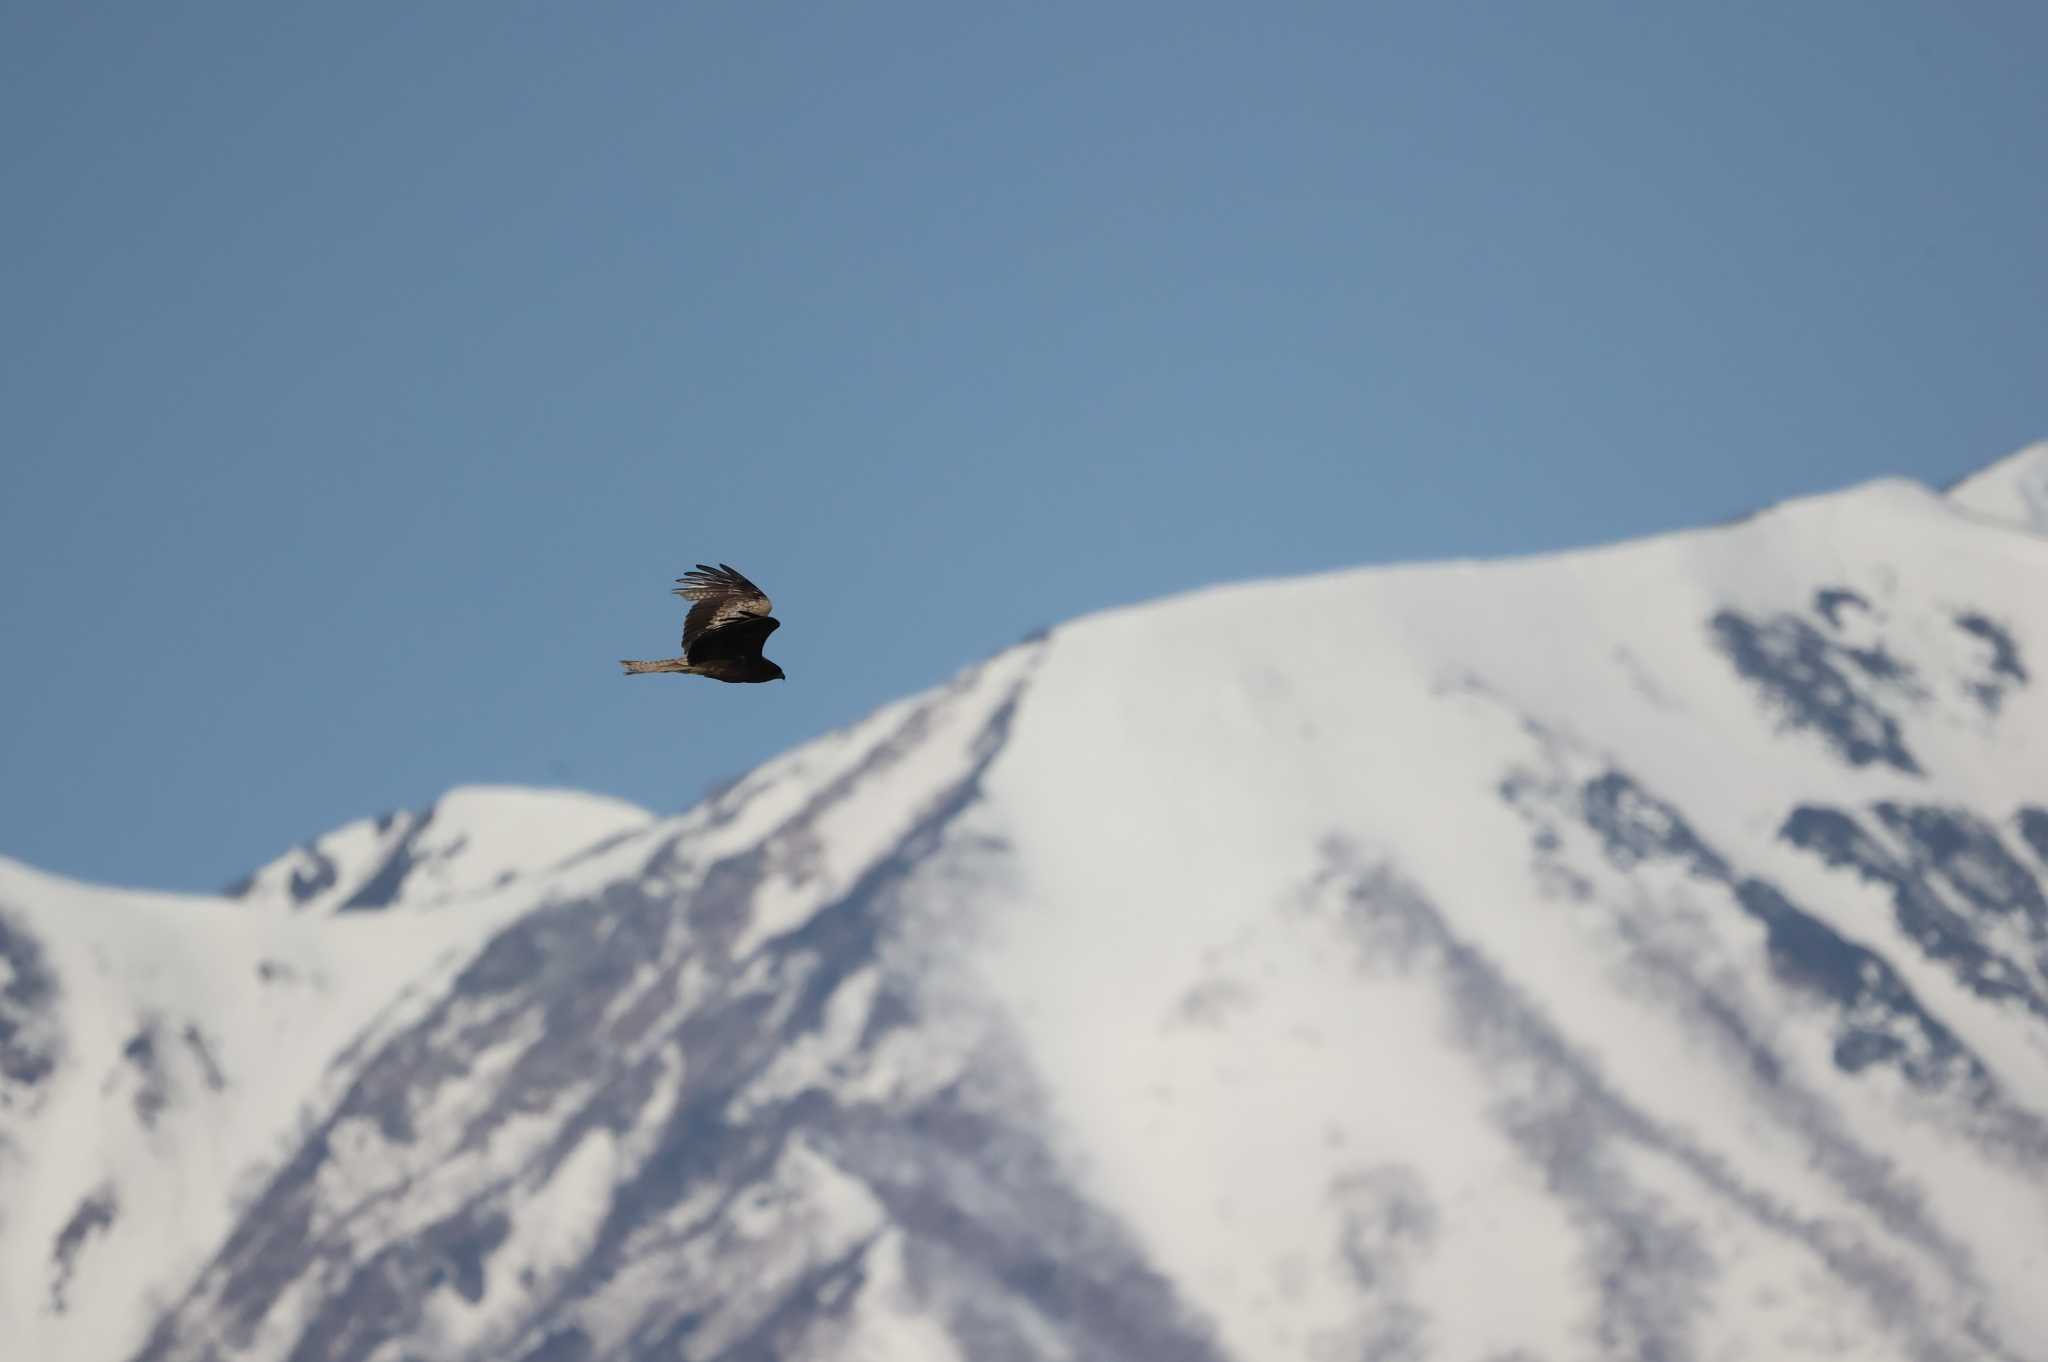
(666,664)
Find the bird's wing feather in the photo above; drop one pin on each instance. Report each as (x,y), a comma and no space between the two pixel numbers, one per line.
(742,637)
(722,597)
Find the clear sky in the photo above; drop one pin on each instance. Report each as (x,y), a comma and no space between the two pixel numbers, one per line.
(371,369)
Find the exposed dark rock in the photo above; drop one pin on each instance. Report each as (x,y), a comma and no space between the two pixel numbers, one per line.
(1636,826)
(381,889)
(1806,677)
(2005,653)
(1947,850)
(28,1042)
(1830,601)
(95,1215)
(1877,1014)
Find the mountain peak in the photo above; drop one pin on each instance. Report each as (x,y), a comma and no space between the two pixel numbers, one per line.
(2014,489)
(473,838)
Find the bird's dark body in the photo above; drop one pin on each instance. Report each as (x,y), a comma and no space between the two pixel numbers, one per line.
(739,670)
(724,631)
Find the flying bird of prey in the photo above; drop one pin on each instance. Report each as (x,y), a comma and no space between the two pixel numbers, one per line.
(724,631)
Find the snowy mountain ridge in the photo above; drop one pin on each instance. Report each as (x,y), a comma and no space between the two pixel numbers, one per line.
(2015,490)
(1634,952)
(473,838)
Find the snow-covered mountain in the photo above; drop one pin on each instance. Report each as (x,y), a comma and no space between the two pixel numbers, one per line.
(1632,953)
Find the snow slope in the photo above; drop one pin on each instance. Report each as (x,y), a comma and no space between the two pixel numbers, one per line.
(165,1048)
(1637,952)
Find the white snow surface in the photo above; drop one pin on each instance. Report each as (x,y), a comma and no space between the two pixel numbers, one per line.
(1284,930)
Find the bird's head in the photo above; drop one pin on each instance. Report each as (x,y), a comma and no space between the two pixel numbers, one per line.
(778,672)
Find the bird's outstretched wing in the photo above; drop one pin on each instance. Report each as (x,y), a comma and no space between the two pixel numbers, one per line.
(723,597)
(730,642)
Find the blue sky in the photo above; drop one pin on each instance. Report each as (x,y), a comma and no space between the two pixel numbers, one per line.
(371,369)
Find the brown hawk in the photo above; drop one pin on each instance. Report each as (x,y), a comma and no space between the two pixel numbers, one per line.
(724,631)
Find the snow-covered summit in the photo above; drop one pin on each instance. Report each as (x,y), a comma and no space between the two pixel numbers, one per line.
(474,837)
(1635,952)
(2014,489)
